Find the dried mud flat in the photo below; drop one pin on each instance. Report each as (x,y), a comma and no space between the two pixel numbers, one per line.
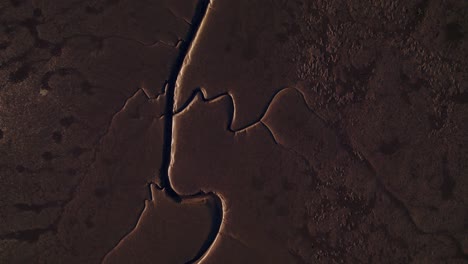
(184,131)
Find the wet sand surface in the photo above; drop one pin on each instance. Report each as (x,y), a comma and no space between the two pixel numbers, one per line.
(170,131)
